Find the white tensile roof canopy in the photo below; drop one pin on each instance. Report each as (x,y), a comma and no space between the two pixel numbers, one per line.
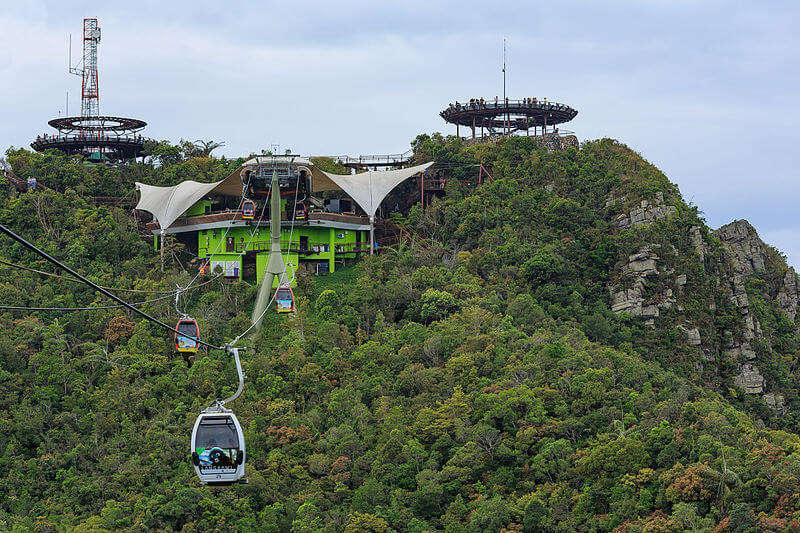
(168,203)
(368,189)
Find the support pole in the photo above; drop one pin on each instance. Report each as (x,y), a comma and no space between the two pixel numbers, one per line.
(161,243)
(275,265)
(371,234)
(422,191)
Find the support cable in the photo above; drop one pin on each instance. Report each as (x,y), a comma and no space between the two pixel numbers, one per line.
(21,308)
(42,272)
(274,294)
(95,286)
(224,235)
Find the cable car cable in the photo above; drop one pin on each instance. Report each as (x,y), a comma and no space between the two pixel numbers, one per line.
(42,272)
(19,308)
(35,249)
(224,235)
(256,321)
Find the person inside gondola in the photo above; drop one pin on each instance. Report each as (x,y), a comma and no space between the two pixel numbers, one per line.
(217,445)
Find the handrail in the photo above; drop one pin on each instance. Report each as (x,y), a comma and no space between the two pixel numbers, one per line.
(129,138)
(257,246)
(503,104)
(366,158)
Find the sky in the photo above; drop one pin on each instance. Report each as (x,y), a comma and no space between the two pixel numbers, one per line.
(705,90)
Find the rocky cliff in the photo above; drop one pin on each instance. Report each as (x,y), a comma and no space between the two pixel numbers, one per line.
(732,278)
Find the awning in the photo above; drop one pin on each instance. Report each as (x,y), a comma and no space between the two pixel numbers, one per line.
(168,203)
(368,189)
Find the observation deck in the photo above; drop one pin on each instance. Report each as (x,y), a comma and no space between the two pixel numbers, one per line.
(505,117)
(106,136)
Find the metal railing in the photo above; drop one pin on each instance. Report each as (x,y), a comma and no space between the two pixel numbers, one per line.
(310,249)
(375,159)
(525,103)
(50,138)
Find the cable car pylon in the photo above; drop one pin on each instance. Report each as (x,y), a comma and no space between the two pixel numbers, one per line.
(275,265)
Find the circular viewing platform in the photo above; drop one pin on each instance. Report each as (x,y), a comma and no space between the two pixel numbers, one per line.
(114,146)
(504,117)
(118,124)
(103,136)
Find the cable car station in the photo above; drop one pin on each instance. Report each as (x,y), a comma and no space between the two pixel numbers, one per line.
(214,220)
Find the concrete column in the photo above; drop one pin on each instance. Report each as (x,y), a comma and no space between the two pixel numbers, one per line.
(371,234)
(332,258)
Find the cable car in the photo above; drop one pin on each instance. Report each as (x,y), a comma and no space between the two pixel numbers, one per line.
(217,447)
(187,335)
(248,210)
(300,212)
(284,299)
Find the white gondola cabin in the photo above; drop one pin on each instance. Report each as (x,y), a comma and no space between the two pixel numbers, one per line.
(217,447)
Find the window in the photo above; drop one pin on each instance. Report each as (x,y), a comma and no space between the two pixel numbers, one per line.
(188,328)
(218,431)
(284,294)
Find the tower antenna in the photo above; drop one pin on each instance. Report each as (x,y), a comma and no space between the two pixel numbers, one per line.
(99,138)
(504,83)
(504,69)
(90,89)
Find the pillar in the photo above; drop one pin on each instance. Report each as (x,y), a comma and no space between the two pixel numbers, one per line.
(161,242)
(332,258)
(371,234)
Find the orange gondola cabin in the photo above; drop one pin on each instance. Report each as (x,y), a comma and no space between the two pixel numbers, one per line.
(186,336)
(248,210)
(284,299)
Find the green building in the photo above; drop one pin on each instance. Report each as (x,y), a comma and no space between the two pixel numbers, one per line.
(320,235)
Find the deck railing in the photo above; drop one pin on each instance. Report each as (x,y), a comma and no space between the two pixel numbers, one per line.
(311,248)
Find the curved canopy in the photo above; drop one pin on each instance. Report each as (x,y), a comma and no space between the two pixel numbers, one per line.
(368,189)
(168,203)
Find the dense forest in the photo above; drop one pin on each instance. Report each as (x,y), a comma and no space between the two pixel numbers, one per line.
(483,374)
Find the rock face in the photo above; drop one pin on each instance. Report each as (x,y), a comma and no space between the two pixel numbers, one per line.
(692,336)
(776,401)
(750,379)
(744,255)
(699,245)
(750,255)
(646,213)
(788,295)
(631,300)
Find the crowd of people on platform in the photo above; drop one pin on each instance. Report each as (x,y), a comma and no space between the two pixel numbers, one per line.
(481,103)
(97,136)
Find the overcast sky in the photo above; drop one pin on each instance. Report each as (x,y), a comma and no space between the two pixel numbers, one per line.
(707,91)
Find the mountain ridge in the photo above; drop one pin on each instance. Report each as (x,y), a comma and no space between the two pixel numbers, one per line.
(475,377)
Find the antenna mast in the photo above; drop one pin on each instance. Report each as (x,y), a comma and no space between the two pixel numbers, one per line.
(90,89)
(504,84)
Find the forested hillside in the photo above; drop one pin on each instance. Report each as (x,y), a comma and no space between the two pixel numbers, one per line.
(566,347)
